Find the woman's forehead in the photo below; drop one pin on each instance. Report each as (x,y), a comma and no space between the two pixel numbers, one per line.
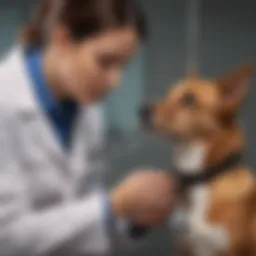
(121,40)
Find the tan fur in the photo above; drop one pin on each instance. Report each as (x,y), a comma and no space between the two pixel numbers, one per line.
(232,200)
(212,120)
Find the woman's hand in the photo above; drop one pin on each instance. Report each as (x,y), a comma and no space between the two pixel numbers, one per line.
(145,197)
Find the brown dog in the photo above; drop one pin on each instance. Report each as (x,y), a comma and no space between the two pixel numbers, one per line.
(218,191)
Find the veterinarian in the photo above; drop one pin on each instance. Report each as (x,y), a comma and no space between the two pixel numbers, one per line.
(52,202)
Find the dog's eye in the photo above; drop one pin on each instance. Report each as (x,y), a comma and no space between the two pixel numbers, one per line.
(188,100)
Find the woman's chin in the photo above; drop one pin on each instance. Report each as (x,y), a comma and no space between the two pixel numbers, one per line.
(89,99)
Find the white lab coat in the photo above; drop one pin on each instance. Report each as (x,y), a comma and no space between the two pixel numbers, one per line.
(50,200)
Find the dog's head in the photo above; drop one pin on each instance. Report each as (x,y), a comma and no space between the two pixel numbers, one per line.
(196,108)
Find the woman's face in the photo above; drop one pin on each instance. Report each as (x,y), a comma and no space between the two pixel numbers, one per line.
(90,69)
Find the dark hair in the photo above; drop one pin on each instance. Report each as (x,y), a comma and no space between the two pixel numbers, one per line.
(82,17)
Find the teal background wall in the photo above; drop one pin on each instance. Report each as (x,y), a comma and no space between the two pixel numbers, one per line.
(11,17)
(121,106)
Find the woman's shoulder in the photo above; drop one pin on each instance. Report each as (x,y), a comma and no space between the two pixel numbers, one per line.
(9,81)
(9,77)
(15,84)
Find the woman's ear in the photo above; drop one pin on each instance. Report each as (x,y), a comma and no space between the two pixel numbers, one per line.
(60,36)
(234,87)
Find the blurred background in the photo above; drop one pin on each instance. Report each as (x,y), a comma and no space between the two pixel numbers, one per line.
(215,35)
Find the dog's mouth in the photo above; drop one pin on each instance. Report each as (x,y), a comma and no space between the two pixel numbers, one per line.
(177,137)
(146,113)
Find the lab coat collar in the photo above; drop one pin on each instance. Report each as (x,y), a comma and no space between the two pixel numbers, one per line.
(19,91)
(48,101)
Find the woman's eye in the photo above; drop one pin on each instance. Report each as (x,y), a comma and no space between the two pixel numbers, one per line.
(188,100)
(106,62)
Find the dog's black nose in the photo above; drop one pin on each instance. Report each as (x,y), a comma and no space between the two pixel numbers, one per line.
(145,113)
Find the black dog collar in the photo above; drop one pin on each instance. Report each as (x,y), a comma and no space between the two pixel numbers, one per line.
(209,174)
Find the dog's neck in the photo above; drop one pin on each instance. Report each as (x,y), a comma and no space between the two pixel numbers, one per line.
(194,156)
(189,157)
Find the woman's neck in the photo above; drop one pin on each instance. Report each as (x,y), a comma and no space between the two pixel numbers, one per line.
(51,75)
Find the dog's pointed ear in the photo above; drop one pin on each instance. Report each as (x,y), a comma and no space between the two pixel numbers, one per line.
(234,87)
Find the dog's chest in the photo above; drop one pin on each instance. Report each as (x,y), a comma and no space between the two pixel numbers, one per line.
(203,238)
(189,157)
(193,231)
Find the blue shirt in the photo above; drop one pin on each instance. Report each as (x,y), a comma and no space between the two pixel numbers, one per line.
(62,114)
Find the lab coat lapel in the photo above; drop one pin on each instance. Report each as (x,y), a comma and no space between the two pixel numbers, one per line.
(79,161)
(86,159)
(28,107)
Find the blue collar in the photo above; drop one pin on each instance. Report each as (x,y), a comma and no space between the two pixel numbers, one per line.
(61,114)
(43,92)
